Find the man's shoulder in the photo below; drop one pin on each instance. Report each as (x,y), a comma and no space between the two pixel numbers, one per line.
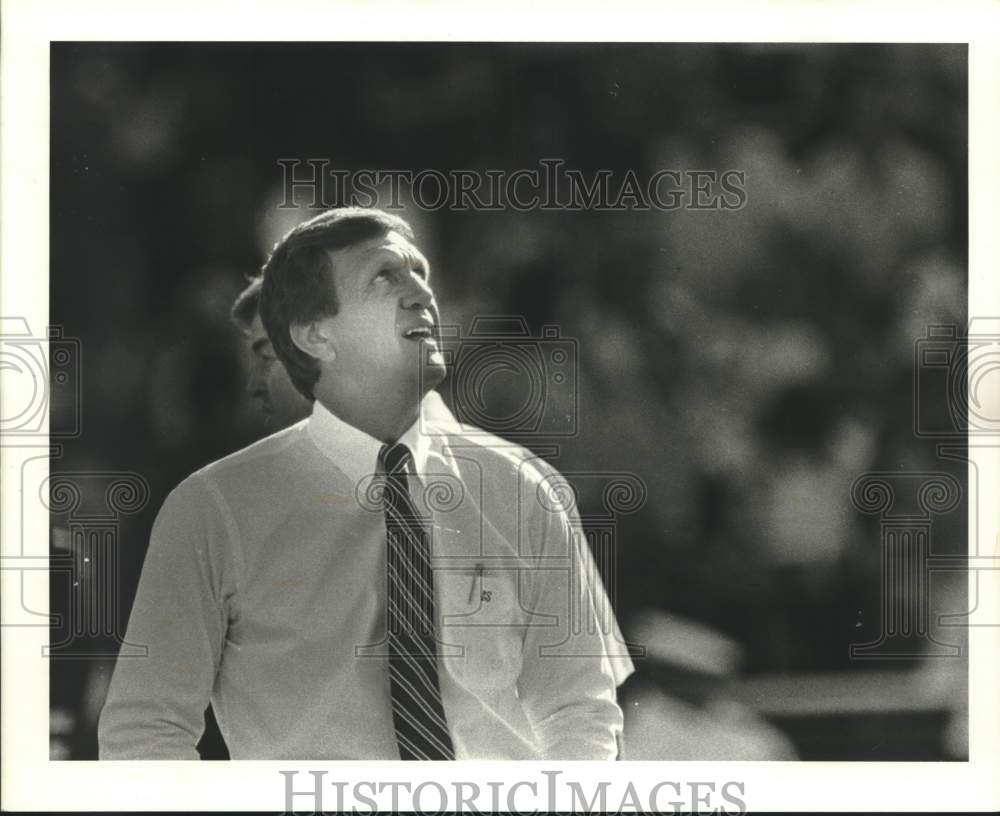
(244,481)
(271,449)
(498,456)
(261,461)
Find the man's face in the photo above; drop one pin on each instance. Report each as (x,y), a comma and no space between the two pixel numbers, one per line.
(385,330)
(280,403)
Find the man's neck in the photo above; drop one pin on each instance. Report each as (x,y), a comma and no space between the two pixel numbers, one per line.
(385,420)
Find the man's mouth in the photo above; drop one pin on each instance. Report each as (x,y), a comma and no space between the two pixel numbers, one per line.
(420,333)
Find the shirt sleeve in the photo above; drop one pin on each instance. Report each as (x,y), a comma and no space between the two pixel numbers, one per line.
(156,703)
(567,684)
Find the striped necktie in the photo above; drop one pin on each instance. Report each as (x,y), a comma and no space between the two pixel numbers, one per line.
(417,712)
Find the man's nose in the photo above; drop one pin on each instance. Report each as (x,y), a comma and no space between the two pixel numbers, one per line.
(418,294)
(256,384)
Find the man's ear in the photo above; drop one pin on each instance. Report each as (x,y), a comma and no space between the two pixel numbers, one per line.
(315,339)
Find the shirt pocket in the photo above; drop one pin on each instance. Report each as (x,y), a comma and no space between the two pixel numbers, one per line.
(481,620)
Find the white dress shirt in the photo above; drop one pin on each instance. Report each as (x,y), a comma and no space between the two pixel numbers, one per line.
(263,591)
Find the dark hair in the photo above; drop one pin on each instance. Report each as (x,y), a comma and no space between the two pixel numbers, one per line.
(246,305)
(298,283)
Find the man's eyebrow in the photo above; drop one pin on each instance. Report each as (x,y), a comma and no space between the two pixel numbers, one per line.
(415,260)
(418,261)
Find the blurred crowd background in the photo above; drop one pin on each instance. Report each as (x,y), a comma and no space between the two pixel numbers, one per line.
(747,365)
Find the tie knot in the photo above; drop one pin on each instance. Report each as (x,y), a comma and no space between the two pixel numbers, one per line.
(394,458)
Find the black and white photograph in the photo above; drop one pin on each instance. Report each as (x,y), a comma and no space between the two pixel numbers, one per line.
(537,400)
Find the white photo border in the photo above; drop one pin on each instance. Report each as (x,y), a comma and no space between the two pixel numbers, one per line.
(32,782)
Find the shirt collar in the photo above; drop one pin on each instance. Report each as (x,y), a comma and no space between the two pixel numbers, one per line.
(356,453)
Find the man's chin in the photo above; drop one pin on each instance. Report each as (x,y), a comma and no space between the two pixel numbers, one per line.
(433,372)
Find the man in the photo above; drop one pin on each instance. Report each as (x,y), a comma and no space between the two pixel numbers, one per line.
(371,583)
(280,402)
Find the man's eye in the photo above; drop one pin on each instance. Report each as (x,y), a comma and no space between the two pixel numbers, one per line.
(384,274)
